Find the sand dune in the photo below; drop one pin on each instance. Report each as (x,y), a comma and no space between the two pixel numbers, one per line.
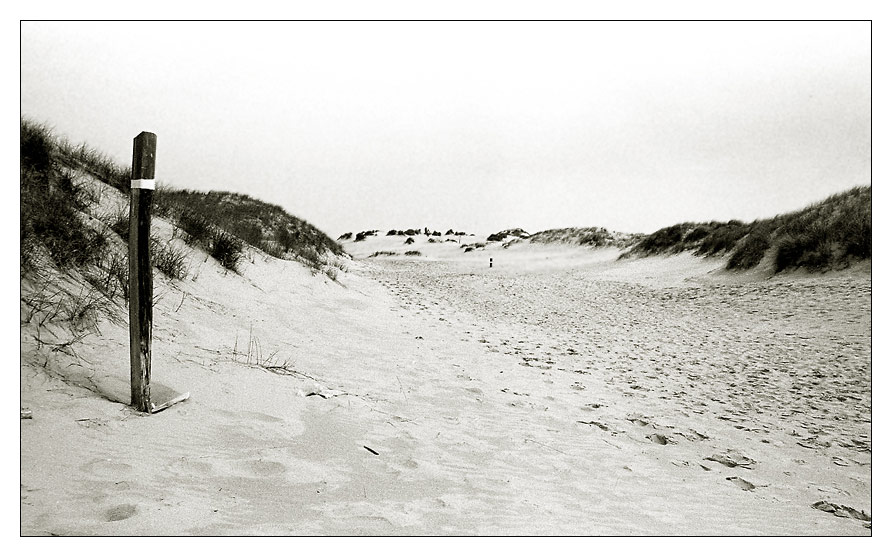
(558,392)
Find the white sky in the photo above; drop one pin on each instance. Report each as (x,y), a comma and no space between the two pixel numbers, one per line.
(473,126)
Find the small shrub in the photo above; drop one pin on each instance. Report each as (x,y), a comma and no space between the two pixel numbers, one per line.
(409,241)
(663,240)
(119,222)
(227,249)
(312,258)
(751,251)
(596,239)
(82,311)
(170,260)
(274,249)
(722,238)
(286,237)
(809,251)
(380,253)
(197,228)
(250,232)
(36,149)
(111,275)
(345,236)
(413,252)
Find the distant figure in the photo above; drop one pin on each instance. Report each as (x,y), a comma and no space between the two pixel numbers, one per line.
(490,262)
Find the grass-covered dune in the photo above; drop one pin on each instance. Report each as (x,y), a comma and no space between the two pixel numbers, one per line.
(65,217)
(830,234)
(593,236)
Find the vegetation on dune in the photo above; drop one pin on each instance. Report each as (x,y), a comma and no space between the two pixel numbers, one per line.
(51,205)
(500,236)
(710,238)
(360,236)
(60,218)
(829,234)
(245,220)
(593,237)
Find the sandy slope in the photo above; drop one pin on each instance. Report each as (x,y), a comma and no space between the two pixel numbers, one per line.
(559,392)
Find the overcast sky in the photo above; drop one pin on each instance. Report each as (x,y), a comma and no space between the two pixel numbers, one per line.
(473,126)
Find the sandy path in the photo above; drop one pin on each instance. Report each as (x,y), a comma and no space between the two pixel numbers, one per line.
(775,371)
(463,402)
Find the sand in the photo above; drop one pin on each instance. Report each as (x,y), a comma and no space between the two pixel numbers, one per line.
(558,392)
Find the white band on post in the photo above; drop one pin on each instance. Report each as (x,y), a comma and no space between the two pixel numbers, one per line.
(142,184)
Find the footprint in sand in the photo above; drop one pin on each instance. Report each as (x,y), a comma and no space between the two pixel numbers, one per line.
(732,459)
(659,439)
(190,467)
(260,467)
(120,512)
(741,483)
(841,511)
(599,424)
(107,468)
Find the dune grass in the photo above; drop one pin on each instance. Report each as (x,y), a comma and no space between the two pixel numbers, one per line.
(53,209)
(591,237)
(246,221)
(832,233)
(51,205)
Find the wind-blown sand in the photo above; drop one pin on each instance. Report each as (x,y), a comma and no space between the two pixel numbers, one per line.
(560,392)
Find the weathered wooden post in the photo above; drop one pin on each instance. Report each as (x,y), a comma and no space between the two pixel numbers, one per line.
(142,187)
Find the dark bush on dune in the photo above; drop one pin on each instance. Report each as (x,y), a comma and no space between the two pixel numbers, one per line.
(663,240)
(810,252)
(596,239)
(751,250)
(50,202)
(499,236)
(226,248)
(721,239)
(197,228)
(36,152)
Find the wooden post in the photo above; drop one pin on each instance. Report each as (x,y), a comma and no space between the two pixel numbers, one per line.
(142,187)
